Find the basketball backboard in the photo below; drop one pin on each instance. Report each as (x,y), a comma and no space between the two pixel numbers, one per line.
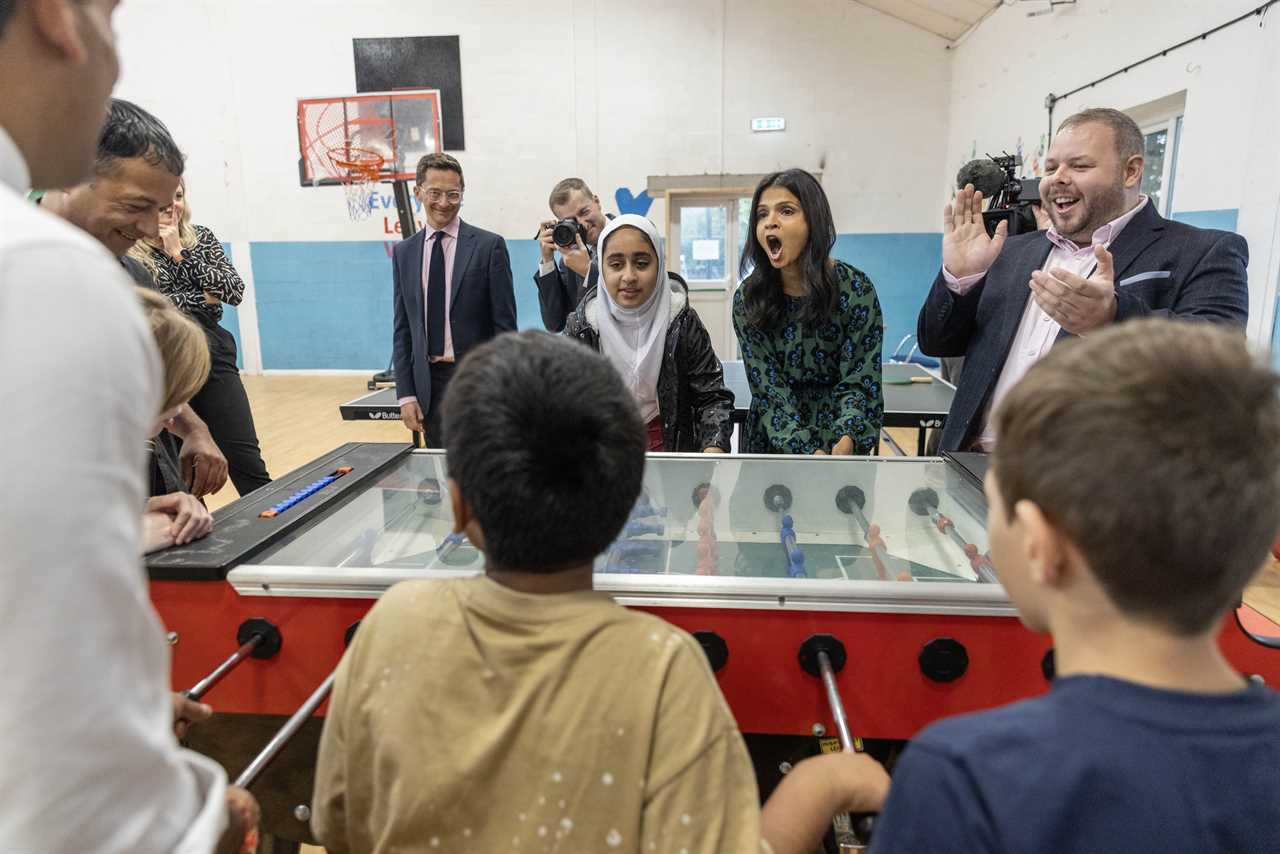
(347,138)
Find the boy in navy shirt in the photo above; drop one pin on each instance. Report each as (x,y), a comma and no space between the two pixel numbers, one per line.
(1134,492)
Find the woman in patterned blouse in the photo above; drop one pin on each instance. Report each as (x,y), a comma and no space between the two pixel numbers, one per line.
(189,266)
(809,327)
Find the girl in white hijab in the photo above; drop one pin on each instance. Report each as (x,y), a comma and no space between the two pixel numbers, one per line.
(639,317)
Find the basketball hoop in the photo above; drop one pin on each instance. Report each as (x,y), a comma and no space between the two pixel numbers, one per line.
(358,170)
(360,141)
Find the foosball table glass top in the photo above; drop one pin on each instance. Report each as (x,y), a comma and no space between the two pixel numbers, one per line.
(852,520)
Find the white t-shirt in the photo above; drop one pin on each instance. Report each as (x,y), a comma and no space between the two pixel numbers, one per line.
(88,760)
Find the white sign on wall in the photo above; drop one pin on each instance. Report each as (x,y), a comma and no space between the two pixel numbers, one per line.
(706,250)
(768,125)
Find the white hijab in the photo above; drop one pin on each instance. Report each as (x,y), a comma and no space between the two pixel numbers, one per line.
(634,338)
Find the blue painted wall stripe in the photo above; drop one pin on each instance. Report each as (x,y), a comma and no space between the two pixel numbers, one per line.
(231,317)
(1224,220)
(902,267)
(327,306)
(323,305)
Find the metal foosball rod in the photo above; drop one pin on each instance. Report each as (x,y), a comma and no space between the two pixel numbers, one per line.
(291,726)
(287,732)
(853,501)
(924,502)
(257,639)
(823,656)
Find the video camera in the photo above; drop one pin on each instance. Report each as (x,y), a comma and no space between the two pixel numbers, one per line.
(1011,197)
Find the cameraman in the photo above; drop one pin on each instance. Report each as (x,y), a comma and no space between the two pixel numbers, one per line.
(561,285)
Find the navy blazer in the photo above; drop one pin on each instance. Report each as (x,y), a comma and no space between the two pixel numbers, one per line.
(483,303)
(1163,268)
(560,291)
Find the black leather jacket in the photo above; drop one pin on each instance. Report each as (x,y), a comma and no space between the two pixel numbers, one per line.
(695,407)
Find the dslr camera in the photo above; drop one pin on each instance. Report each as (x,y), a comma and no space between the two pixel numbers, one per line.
(566,232)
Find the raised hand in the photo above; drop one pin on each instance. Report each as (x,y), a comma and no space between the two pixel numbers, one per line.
(967,250)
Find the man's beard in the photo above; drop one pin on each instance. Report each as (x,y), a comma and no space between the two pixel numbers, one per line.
(1102,210)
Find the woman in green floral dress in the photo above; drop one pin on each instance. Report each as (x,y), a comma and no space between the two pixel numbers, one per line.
(809,327)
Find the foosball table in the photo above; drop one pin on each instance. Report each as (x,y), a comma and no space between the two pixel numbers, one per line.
(832,596)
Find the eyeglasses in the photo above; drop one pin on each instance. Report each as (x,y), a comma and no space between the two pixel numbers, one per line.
(436,195)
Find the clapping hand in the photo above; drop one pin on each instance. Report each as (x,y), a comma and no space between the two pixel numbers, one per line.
(1079,305)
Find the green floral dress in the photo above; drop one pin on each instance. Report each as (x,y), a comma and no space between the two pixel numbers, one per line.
(810,387)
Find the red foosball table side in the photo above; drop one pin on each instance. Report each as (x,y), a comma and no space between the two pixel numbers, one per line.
(885,692)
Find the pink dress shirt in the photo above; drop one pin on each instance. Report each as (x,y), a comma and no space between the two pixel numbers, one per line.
(450,247)
(1037,331)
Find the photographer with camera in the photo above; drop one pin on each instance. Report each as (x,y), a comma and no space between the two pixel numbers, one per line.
(1003,301)
(574,232)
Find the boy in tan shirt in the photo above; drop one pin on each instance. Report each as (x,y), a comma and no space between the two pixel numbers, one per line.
(521,711)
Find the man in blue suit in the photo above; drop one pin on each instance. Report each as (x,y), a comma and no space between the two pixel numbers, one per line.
(1109,257)
(453,291)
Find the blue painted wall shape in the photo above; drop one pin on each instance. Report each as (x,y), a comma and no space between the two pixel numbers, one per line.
(633,204)
(328,305)
(231,317)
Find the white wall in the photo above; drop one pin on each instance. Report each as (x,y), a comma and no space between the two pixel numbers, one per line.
(617,91)
(1230,154)
(614,92)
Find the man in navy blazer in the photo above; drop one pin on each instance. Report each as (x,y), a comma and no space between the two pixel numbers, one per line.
(562,284)
(453,291)
(1003,302)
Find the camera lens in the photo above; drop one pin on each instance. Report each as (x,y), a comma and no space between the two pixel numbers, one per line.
(565,232)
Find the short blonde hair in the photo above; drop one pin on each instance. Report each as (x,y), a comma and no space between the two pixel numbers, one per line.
(183,348)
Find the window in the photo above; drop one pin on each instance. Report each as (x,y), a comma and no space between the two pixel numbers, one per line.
(1161,160)
(708,230)
(703,247)
(711,232)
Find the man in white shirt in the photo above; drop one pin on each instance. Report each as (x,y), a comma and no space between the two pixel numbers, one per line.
(88,762)
(1109,257)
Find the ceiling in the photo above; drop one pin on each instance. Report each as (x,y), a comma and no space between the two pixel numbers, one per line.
(947,18)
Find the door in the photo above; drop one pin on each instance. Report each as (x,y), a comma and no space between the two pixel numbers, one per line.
(705,236)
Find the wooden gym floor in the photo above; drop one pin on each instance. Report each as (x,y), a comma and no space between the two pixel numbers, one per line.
(297,420)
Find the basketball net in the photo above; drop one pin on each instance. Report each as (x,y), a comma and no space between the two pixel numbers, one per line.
(359,170)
